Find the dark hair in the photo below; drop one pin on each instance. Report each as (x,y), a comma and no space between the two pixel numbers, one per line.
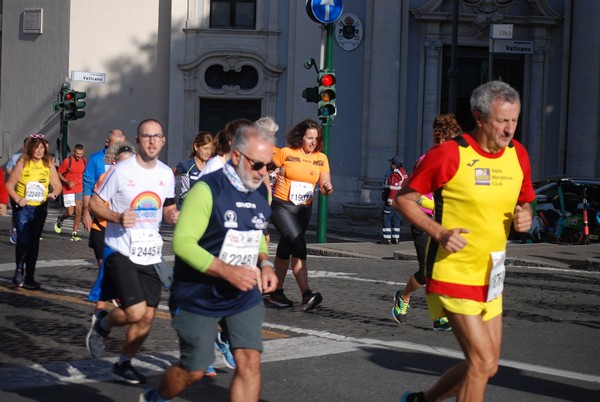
(295,135)
(201,139)
(224,138)
(445,127)
(79,147)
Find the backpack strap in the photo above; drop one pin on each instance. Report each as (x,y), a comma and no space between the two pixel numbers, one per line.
(70,162)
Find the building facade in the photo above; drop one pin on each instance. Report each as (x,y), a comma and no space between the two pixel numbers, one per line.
(195,64)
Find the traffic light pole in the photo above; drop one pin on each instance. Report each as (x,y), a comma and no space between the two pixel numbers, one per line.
(64,127)
(324,200)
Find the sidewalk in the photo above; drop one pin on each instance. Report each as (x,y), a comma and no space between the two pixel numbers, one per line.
(349,239)
(345,238)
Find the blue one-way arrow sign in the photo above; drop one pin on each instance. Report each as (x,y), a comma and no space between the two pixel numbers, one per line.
(324,11)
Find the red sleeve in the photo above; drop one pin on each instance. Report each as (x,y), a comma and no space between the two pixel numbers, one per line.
(63,166)
(437,167)
(527,193)
(3,190)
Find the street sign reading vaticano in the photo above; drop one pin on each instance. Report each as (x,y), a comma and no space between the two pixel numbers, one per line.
(512,46)
(99,78)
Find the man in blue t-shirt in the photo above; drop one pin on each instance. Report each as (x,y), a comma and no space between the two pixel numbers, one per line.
(94,169)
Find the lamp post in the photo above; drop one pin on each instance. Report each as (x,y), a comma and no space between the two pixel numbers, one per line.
(453,72)
(324,200)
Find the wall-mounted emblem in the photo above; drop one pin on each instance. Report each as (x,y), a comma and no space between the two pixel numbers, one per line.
(348,31)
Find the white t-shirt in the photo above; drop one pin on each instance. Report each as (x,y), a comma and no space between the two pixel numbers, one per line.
(212,165)
(129,185)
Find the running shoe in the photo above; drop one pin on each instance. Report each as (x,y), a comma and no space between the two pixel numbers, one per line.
(19,277)
(210,372)
(223,347)
(31,285)
(149,395)
(58,225)
(311,300)
(13,236)
(278,299)
(442,324)
(400,309)
(413,397)
(94,341)
(74,237)
(127,373)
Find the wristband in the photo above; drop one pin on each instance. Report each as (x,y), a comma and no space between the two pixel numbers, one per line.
(267,263)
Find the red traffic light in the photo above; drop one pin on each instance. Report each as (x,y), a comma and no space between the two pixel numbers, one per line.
(327,80)
(69,96)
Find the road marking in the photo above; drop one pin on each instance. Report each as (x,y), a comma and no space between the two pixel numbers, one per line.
(431,350)
(349,276)
(312,344)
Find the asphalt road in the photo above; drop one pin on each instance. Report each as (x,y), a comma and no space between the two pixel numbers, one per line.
(349,349)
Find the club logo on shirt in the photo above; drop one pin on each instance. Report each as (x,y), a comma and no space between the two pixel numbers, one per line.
(230,219)
(259,221)
(482,177)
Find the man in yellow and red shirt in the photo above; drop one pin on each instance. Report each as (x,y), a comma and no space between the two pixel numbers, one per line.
(482,185)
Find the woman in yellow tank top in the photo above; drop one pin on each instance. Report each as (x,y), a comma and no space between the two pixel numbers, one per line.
(302,165)
(29,187)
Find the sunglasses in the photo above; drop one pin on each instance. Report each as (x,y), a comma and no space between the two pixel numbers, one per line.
(37,136)
(124,149)
(254,165)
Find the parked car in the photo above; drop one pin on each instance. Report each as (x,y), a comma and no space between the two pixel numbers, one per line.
(559,213)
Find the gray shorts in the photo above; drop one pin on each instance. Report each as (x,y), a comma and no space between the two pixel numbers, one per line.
(197,334)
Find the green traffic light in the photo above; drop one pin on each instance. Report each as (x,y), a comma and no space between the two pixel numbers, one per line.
(72,105)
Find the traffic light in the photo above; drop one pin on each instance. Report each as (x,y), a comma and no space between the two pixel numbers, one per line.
(311,94)
(72,103)
(326,103)
(59,104)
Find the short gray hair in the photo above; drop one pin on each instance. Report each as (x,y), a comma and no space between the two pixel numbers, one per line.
(484,95)
(268,124)
(244,134)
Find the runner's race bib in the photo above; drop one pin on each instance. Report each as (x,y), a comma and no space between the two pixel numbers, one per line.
(241,247)
(146,246)
(34,191)
(301,192)
(69,200)
(497,274)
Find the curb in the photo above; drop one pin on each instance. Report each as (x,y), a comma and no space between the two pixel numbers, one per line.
(327,252)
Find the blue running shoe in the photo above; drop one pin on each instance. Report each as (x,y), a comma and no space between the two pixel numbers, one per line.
(151,395)
(223,347)
(442,324)
(210,371)
(400,308)
(413,397)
